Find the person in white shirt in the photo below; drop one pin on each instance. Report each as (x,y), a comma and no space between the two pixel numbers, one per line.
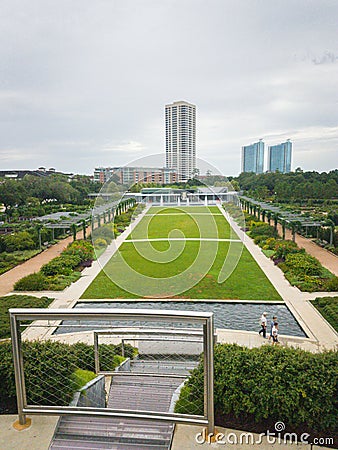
(274,332)
(263,322)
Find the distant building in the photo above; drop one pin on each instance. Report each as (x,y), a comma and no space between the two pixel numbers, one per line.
(102,174)
(131,175)
(180,138)
(253,157)
(279,157)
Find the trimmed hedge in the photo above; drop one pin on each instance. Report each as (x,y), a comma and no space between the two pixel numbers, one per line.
(49,368)
(301,269)
(32,282)
(290,385)
(18,301)
(328,308)
(262,229)
(61,265)
(60,272)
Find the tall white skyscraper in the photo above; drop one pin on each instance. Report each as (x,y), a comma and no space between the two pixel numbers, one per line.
(180,138)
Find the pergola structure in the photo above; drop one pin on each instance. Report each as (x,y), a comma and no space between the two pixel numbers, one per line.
(295,222)
(105,212)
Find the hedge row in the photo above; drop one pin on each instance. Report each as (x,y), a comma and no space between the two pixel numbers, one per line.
(49,368)
(18,301)
(290,385)
(60,272)
(300,268)
(328,307)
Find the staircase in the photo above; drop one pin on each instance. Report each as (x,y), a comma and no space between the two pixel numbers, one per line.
(132,392)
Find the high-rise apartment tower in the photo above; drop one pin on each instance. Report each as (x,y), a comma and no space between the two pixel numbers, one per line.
(279,157)
(253,157)
(180,138)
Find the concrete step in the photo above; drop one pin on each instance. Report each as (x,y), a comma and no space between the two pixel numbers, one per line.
(128,392)
(71,444)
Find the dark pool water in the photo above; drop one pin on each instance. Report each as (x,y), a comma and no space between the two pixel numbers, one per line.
(234,316)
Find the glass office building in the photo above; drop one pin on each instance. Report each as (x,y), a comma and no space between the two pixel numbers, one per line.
(253,157)
(279,158)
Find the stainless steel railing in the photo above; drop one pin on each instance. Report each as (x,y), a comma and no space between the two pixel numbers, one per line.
(205,336)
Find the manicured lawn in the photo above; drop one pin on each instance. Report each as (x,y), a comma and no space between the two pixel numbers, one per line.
(247,282)
(193,224)
(158,260)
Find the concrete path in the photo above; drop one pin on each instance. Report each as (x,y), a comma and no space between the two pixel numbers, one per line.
(9,278)
(314,325)
(37,437)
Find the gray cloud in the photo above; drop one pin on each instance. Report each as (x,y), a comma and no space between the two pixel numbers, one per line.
(84,83)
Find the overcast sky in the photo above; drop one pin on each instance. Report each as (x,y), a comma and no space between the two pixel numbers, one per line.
(83,83)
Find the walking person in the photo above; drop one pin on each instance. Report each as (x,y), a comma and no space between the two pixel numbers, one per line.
(274,319)
(275,334)
(263,322)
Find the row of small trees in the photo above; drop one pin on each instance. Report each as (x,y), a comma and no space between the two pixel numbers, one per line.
(276,217)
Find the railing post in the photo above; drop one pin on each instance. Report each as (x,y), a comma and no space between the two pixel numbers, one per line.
(18,368)
(96,352)
(122,348)
(208,331)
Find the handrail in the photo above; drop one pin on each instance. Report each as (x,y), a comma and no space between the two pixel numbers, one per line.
(203,318)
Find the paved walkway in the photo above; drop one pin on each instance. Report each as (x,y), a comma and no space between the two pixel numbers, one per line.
(8,279)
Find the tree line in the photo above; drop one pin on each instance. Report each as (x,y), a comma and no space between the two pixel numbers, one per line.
(290,187)
(30,193)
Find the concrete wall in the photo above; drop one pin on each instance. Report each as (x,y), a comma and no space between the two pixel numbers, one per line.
(92,394)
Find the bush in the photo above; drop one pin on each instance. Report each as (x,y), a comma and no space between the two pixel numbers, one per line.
(270,244)
(302,384)
(61,265)
(260,240)
(82,249)
(105,232)
(331,285)
(58,273)
(21,240)
(33,282)
(49,368)
(284,248)
(301,264)
(328,307)
(100,243)
(262,229)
